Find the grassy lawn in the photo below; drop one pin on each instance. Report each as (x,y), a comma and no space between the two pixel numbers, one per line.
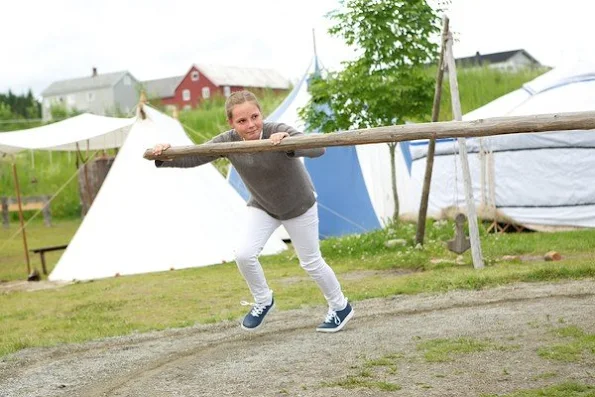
(365,266)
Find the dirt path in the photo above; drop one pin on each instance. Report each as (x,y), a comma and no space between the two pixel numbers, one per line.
(379,350)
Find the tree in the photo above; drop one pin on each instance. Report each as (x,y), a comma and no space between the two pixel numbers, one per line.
(388,83)
(22,106)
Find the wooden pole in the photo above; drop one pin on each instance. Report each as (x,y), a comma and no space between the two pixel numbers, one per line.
(456,109)
(395,133)
(423,206)
(141,102)
(87,184)
(21,218)
(314,43)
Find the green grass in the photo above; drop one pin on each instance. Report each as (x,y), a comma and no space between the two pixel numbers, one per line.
(44,173)
(482,85)
(443,350)
(370,375)
(579,343)
(562,390)
(388,361)
(12,256)
(365,267)
(362,381)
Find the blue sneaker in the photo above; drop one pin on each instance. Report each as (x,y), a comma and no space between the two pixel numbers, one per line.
(255,318)
(336,320)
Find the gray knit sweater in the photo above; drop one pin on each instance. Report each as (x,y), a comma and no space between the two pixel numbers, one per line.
(277,181)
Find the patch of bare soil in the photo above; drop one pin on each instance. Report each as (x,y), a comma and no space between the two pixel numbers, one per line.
(24,285)
(380,350)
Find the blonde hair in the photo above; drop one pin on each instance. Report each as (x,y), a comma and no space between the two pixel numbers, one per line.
(237,98)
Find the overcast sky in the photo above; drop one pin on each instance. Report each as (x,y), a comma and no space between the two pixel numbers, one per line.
(44,41)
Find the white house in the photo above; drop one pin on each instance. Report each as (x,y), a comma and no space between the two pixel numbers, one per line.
(507,60)
(101,94)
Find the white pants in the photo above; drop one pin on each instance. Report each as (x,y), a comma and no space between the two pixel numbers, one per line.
(303,231)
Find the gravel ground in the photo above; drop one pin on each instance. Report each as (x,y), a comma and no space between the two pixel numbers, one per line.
(287,357)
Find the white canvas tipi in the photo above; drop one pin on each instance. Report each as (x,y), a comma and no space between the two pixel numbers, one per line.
(146,219)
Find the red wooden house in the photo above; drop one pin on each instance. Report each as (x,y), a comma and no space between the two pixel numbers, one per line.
(207,81)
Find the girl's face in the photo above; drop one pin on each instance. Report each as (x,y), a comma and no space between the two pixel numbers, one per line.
(246,119)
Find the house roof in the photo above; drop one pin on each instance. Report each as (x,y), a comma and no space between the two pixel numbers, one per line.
(244,77)
(162,88)
(84,83)
(496,57)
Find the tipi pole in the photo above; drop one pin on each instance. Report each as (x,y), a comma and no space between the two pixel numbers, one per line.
(456,109)
(141,101)
(21,218)
(423,206)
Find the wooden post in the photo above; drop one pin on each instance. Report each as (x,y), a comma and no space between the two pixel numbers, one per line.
(456,109)
(5,213)
(482,174)
(23,233)
(141,102)
(423,206)
(47,215)
(314,46)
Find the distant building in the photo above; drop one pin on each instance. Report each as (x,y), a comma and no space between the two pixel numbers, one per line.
(507,60)
(162,89)
(102,94)
(203,82)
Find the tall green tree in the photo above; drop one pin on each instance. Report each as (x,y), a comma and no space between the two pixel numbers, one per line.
(21,106)
(388,82)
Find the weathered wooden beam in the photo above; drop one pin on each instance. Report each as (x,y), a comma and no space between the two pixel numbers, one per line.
(395,133)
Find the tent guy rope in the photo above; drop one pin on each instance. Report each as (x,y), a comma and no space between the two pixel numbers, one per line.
(36,214)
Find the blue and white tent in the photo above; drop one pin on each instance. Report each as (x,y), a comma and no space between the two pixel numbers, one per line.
(352,183)
(540,180)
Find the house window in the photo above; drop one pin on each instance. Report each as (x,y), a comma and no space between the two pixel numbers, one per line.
(194,75)
(90,96)
(127,80)
(186,95)
(206,92)
(226,91)
(187,107)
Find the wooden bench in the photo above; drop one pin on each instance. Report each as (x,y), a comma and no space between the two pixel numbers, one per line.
(41,251)
(28,203)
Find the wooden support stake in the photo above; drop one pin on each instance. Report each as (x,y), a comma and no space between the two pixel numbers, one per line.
(21,218)
(456,109)
(141,102)
(423,206)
